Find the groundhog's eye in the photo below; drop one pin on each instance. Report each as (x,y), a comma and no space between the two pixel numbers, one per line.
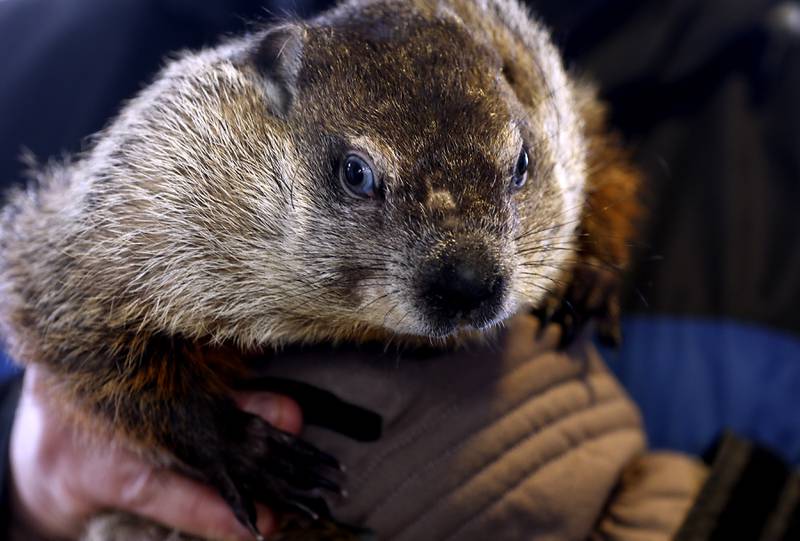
(520,175)
(357,176)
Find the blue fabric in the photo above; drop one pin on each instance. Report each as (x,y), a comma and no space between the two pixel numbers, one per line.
(7,367)
(693,378)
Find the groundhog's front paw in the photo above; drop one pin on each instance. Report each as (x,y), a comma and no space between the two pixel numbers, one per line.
(593,295)
(264,464)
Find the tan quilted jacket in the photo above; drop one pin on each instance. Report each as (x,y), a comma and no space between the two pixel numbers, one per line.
(516,441)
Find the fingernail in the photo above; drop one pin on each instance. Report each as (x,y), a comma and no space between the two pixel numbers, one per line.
(273,410)
(277,410)
(270,407)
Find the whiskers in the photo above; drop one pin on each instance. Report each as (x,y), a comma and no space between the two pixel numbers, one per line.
(548,254)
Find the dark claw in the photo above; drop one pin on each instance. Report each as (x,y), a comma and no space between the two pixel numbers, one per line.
(591,296)
(244,509)
(314,508)
(572,322)
(317,508)
(298,463)
(263,463)
(265,441)
(256,534)
(544,315)
(311,453)
(325,484)
(309,479)
(609,334)
(569,330)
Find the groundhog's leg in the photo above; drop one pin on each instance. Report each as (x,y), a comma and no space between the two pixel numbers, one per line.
(607,230)
(164,398)
(249,460)
(592,295)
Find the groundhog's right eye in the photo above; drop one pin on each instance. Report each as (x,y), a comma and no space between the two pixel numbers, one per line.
(358,176)
(520,175)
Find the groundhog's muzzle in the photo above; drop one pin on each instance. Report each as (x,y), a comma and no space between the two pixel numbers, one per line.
(461,283)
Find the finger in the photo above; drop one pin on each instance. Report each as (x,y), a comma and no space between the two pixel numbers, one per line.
(323,408)
(280,411)
(189,506)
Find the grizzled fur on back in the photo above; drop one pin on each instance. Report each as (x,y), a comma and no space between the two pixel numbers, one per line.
(211,211)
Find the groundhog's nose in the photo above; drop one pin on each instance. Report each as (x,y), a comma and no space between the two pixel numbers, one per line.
(462,285)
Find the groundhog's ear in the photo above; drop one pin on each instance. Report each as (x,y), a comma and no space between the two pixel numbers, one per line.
(278,56)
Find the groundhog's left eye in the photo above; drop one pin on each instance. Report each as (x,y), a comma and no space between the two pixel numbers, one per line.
(357,176)
(520,175)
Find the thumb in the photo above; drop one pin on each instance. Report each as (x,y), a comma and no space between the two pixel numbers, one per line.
(280,411)
(171,499)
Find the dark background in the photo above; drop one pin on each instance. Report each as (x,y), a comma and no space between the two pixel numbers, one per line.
(704,91)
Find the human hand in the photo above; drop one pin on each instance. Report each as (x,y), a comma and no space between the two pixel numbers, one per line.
(61,478)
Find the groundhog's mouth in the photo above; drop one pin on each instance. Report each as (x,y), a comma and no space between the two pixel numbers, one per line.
(465,325)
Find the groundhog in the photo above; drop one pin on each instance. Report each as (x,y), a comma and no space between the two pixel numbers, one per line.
(392,171)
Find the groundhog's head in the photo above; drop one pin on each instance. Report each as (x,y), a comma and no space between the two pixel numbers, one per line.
(376,171)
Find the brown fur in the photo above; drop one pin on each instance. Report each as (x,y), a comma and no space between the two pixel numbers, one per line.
(207,222)
(612,206)
(608,225)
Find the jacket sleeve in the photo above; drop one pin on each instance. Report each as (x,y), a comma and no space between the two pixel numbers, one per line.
(9,397)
